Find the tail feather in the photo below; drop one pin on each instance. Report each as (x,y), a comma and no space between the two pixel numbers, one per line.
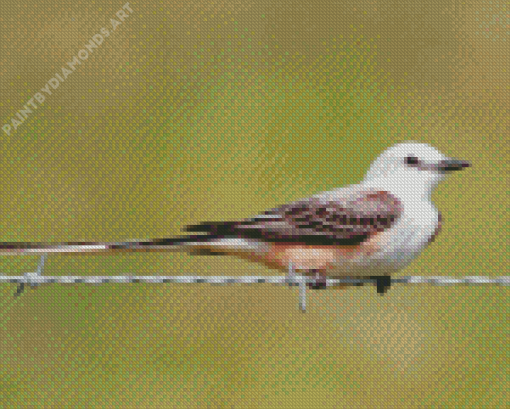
(213,228)
(164,244)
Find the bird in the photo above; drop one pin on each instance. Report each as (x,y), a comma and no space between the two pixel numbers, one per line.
(368,230)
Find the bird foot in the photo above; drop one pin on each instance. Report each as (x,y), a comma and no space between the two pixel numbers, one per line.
(320,282)
(383,283)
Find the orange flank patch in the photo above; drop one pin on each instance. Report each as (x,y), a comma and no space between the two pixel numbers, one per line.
(308,257)
(302,256)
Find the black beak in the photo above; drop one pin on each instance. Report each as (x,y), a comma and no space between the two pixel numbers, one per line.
(449,165)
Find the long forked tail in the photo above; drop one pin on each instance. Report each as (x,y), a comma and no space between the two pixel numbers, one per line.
(185,243)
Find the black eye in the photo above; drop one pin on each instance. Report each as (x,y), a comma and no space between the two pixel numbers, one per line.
(411,160)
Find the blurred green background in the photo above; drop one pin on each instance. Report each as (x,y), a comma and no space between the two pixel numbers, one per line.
(202,110)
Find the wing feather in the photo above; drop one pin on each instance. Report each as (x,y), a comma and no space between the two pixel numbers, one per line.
(317,220)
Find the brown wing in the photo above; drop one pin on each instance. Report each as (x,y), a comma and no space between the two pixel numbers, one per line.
(317,220)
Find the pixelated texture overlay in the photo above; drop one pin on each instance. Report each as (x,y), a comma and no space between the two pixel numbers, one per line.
(202,110)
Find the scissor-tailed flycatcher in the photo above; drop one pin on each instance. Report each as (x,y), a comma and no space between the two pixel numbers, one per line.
(368,230)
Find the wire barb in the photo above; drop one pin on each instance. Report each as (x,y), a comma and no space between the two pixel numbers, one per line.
(38,273)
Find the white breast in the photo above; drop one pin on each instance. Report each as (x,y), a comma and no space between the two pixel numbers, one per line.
(410,235)
(397,246)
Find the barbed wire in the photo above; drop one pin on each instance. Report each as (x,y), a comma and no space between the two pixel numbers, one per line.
(36,278)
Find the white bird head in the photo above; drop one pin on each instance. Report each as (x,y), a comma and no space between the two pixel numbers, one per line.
(412,164)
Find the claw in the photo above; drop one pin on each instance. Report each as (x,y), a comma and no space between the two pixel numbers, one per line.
(320,282)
